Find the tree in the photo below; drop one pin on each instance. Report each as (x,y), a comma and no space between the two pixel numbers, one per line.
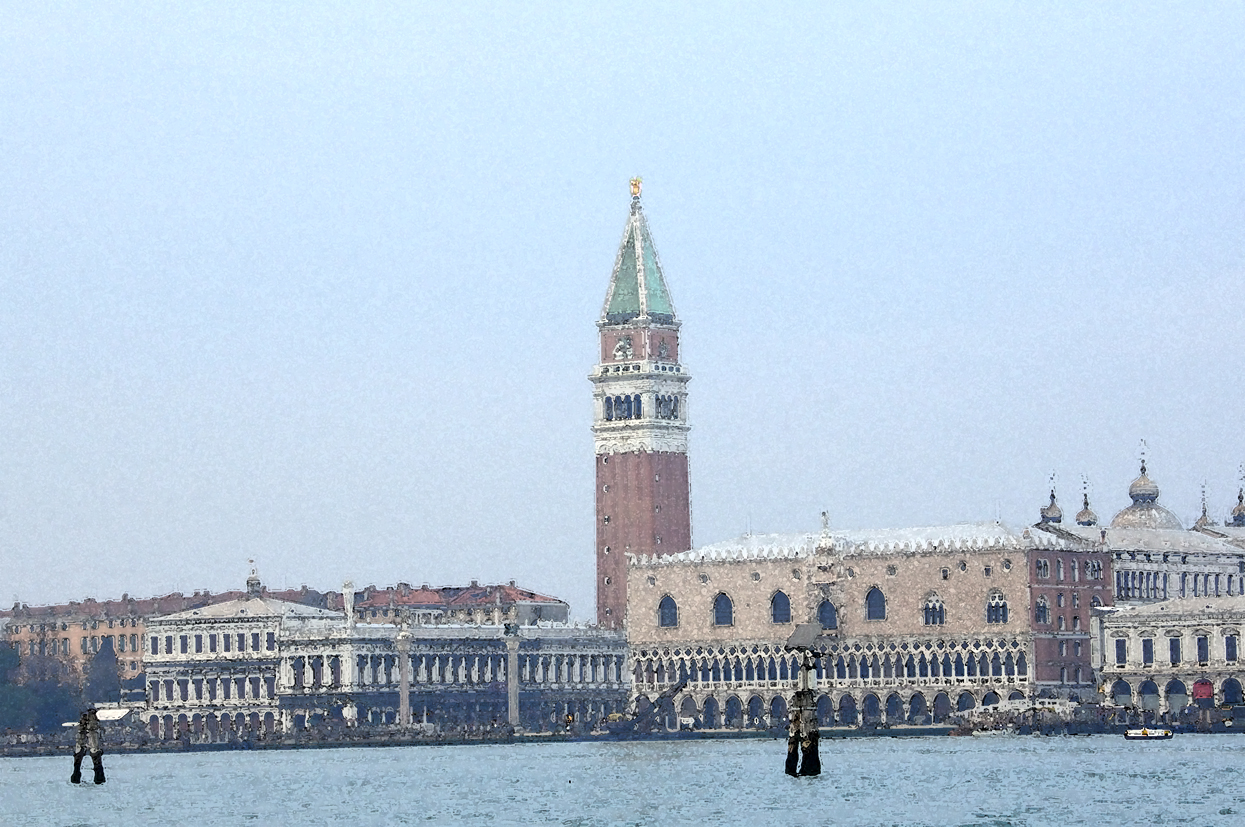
(102,683)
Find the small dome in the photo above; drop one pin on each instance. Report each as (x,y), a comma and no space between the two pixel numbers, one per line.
(1145,512)
(1085,516)
(1143,490)
(1052,513)
(1238,513)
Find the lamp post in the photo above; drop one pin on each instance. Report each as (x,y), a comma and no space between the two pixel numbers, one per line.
(803,730)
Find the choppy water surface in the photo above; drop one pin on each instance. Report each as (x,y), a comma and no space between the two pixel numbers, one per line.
(1018,781)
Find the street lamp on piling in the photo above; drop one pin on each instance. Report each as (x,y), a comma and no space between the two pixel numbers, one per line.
(804,730)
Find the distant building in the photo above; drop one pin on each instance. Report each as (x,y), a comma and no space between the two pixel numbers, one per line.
(70,634)
(1158,657)
(917,623)
(257,665)
(1153,556)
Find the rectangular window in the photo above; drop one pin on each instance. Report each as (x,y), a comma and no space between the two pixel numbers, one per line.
(1147,651)
(86,644)
(1121,651)
(155,645)
(1203,650)
(272,641)
(1229,648)
(227,640)
(168,644)
(241,642)
(198,644)
(254,641)
(121,643)
(184,642)
(211,643)
(155,690)
(1173,646)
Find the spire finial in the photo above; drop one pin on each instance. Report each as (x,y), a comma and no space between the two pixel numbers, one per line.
(637,183)
(1143,457)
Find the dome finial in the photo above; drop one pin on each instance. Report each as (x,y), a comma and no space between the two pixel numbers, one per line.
(1143,457)
(1238,513)
(1052,513)
(1085,516)
(1204,520)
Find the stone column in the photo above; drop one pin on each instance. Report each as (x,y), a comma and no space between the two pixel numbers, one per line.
(403,643)
(512,674)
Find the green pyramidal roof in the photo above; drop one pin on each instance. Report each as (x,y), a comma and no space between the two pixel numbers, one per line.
(637,287)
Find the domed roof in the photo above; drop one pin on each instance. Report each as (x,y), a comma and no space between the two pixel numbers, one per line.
(1085,516)
(1052,513)
(1145,512)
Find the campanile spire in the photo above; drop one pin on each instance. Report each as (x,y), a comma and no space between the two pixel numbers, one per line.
(643,502)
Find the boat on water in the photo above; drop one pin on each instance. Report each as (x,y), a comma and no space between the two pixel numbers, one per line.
(1147,734)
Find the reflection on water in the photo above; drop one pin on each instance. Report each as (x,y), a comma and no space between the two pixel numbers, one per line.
(999,781)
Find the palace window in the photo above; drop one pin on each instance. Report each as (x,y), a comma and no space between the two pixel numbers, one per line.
(1229,648)
(875,604)
(723,611)
(667,613)
(1041,612)
(935,612)
(996,608)
(1147,651)
(1042,568)
(827,615)
(1203,650)
(780,608)
(1121,651)
(1173,649)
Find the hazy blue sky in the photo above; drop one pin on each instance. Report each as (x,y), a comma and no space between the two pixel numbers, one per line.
(317,284)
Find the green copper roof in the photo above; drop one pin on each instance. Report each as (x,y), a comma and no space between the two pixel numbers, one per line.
(637,287)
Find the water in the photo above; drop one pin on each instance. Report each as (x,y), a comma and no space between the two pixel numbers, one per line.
(1102,780)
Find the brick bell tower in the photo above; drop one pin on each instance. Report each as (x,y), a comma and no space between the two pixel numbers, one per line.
(639,428)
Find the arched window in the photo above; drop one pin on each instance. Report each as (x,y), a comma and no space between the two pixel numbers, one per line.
(875,604)
(667,612)
(609,408)
(674,408)
(639,407)
(780,608)
(1041,612)
(827,615)
(1095,601)
(723,611)
(996,609)
(935,612)
(1042,568)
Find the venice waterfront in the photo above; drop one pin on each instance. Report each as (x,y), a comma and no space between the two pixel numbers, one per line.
(934,780)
